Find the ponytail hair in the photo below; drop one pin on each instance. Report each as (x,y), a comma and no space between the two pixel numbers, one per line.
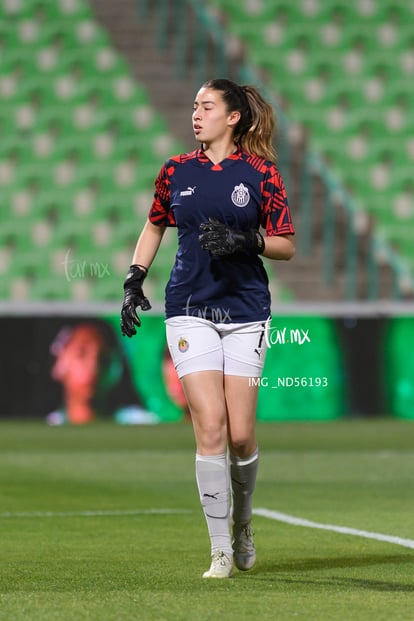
(257,126)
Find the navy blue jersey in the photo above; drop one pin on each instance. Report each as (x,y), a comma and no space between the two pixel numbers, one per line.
(243,191)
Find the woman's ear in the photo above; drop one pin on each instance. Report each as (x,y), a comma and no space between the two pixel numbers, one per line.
(233,118)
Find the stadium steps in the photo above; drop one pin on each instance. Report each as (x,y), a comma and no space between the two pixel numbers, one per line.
(136,40)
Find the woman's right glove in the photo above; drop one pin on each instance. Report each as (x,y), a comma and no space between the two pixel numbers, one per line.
(220,240)
(133,297)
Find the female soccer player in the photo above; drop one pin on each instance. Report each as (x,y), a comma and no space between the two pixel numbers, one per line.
(217,298)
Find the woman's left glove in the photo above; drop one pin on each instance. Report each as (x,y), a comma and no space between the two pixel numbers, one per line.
(133,297)
(220,240)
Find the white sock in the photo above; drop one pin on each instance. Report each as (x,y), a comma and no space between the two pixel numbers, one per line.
(243,473)
(213,486)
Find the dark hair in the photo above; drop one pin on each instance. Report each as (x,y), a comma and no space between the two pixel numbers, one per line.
(257,125)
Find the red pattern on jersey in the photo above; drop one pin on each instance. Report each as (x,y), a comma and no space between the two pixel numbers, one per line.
(160,212)
(258,163)
(275,213)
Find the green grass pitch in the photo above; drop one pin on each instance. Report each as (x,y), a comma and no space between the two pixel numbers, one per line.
(103,523)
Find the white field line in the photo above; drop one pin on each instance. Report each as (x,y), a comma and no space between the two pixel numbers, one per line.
(344,530)
(266,513)
(120,513)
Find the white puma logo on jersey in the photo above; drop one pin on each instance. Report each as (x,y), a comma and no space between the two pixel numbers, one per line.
(188,192)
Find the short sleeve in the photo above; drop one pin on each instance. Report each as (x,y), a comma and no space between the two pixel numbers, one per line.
(160,213)
(275,214)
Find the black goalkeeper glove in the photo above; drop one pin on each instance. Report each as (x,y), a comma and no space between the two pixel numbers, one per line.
(220,240)
(133,297)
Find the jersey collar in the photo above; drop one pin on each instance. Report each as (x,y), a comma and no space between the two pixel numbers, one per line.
(204,160)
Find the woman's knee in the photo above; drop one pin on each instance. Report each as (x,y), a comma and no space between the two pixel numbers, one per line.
(242,444)
(211,435)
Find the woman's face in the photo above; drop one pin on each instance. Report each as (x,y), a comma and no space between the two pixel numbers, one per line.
(211,120)
(80,362)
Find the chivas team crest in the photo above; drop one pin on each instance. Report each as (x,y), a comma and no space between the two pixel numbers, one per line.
(240,195)
(183,345)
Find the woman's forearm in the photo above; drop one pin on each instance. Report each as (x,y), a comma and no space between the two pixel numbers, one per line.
(148,244)
(279,247)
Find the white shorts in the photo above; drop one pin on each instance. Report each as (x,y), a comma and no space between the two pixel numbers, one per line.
(197,344)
